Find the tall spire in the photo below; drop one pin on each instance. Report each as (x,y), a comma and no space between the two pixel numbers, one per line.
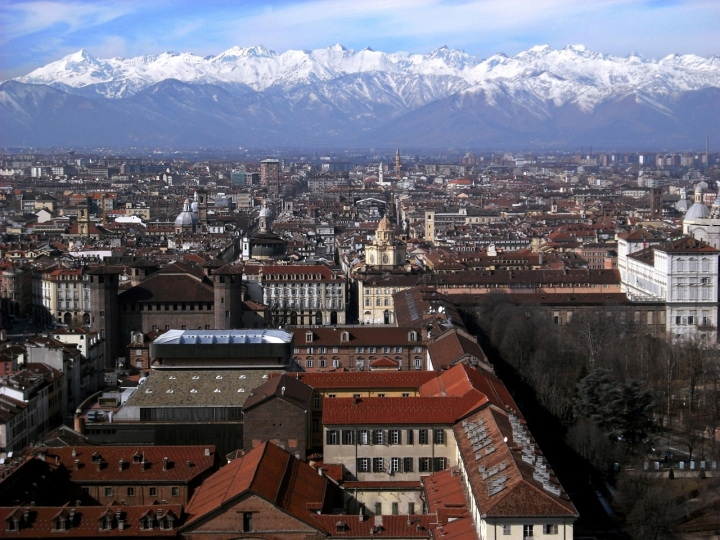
(397,161)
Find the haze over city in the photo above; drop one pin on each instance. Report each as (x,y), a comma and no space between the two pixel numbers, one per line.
(326,269)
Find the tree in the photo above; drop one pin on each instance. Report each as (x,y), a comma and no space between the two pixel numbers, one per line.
(621,410)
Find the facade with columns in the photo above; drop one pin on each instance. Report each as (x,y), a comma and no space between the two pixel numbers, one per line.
(299,294)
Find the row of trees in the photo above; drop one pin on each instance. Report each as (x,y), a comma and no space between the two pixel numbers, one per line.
(608,380)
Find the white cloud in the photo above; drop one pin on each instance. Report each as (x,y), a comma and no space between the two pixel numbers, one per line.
(25,18)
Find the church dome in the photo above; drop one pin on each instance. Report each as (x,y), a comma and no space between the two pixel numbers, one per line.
(186,218)
(697,211)
(384,224)
(683,205)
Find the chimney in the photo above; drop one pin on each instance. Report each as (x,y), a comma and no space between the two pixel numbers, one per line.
(77,464)
(320,471)
(165,464)
(26,515)
(142,464)
(120,464)
(207,452)
(189,465)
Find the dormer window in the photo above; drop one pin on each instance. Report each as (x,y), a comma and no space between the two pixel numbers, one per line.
(344,336)
(413,336)
(308,337)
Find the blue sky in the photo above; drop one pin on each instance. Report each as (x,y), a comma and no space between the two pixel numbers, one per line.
(34,33)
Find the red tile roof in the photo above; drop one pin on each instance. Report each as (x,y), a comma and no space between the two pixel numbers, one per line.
(391,526)
(270,473)
(399,411)
(177,470)
(445,496)
(521,494)
(462,378)
(86,521)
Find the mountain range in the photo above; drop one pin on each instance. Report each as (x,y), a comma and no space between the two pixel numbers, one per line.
(542,97)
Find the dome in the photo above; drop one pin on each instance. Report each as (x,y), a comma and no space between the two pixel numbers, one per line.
(702,186)
(683,205)
(697,211)
(384,224)
(186,218)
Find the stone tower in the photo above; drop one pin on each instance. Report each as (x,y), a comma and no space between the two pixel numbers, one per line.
(83,219)
(105,311)
(228,297)
(202,207)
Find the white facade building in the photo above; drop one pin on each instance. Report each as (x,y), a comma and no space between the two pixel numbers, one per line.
(683,273)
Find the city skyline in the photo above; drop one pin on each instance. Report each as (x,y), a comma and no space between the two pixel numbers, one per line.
(36,33)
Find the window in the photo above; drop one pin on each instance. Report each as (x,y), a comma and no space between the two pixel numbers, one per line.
(691,320)
(411,508)
(102,314)
(395,509)
(363,464)
(439,464)
(386,350)
(398,350)
(348,437)
(316,425)
(423,436)
(424,464)
(360,350)
(336,363)
(175,491)
(373,350)
(678,320)
(378,464)
(418,363)
(394,436)
(247,522)
(227,313)
(138,352)
(406,395)
(381,395)
(310,350)
(331,437)
(335,350)
(378,509)
(528,531)
(108,491)
(296,350)
(410,436)
(322,350)
(308,363)
(153,492)
(363,437)
(131,492)
(408,464)
(316,402)
(322,363)
(395,464)
(550,528)
(507,530)
(308,337)
(439,436)
(378,436)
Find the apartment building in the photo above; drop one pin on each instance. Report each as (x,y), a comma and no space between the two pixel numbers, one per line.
(359,348)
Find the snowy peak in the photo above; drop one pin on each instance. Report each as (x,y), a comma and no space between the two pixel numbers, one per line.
(540,74)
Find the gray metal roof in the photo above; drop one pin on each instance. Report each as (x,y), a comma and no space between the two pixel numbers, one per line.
(223,337)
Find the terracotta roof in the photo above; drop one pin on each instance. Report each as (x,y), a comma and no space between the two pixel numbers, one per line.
(86,521)
(350,526)
(451,347)
(365,379)
(520,494)
(160,287)
(445,496)
(109,470)
(462,378)
(399,411)
(270,473)
(384,362)
(390,484)
(284,387)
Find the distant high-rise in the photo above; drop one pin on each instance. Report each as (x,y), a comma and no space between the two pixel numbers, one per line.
(270,175)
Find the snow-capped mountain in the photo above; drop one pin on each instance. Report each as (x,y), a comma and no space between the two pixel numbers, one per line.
(337,95)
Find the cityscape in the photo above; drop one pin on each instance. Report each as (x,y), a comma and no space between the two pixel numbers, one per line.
(309,292)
